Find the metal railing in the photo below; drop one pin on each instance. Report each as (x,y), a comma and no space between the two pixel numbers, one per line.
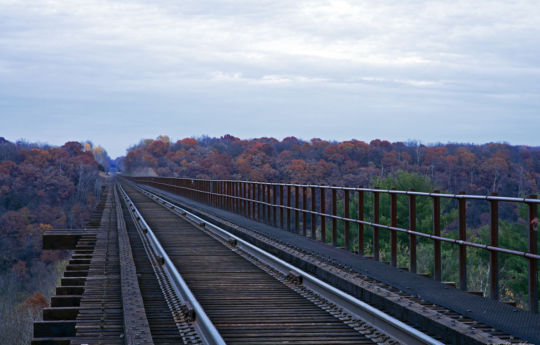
(294,207)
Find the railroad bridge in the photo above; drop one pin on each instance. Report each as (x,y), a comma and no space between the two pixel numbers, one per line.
(184,261)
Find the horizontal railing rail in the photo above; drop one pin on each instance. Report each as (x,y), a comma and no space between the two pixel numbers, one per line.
(295,206)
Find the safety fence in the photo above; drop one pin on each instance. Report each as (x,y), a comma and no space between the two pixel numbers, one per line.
(312,211)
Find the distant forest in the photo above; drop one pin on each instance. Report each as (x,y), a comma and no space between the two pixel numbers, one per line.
(41,187)
(476,169)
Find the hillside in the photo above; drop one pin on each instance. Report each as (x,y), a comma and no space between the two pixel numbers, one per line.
(41,187)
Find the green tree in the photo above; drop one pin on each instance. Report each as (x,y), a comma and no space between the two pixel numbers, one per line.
(400,180)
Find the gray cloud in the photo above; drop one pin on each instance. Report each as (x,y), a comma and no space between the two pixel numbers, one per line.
(428,70)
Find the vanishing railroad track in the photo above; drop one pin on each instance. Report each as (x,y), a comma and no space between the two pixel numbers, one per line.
(247,299)
(152,271)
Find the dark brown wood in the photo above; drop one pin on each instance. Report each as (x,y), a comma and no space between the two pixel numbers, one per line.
(64,239)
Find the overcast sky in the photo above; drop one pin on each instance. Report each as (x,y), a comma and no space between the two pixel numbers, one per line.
(115,72)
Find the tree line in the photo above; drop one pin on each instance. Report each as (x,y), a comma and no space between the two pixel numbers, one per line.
(476,169)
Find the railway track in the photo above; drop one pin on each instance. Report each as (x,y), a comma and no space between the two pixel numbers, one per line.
(452,326)
(220,289)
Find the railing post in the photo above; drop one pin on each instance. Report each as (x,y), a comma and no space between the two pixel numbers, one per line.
(533,249)
(304,207)
(254,199)
(346,214)
(263,199)
(214,193)
(218,197)
(244,201)
(313,217)
(250,199)
(260,210)
(253,203)
(334,214)
(202,187)
(210,192)
(230,196)
(412,237)
(288,208)
(208,195)
(233,196)
(268,207)
(203,192)
(224,192)
(493,255)
(437,262)
(223,198)
(237,194)
(275,204)
(393,234)
(281,208)
(296,213)
(360,225)
(376,221)
(462,235)
(323,219)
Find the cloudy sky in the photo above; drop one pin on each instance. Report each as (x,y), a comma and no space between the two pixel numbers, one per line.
(117,71)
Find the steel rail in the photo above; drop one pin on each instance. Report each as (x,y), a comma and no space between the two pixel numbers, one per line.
(386,323)
(209,333)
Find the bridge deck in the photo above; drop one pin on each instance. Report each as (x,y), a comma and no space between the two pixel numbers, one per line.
(468,308)
(246,305)
(112,292)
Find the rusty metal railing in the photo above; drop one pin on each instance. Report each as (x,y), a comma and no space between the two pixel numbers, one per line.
(272,203)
